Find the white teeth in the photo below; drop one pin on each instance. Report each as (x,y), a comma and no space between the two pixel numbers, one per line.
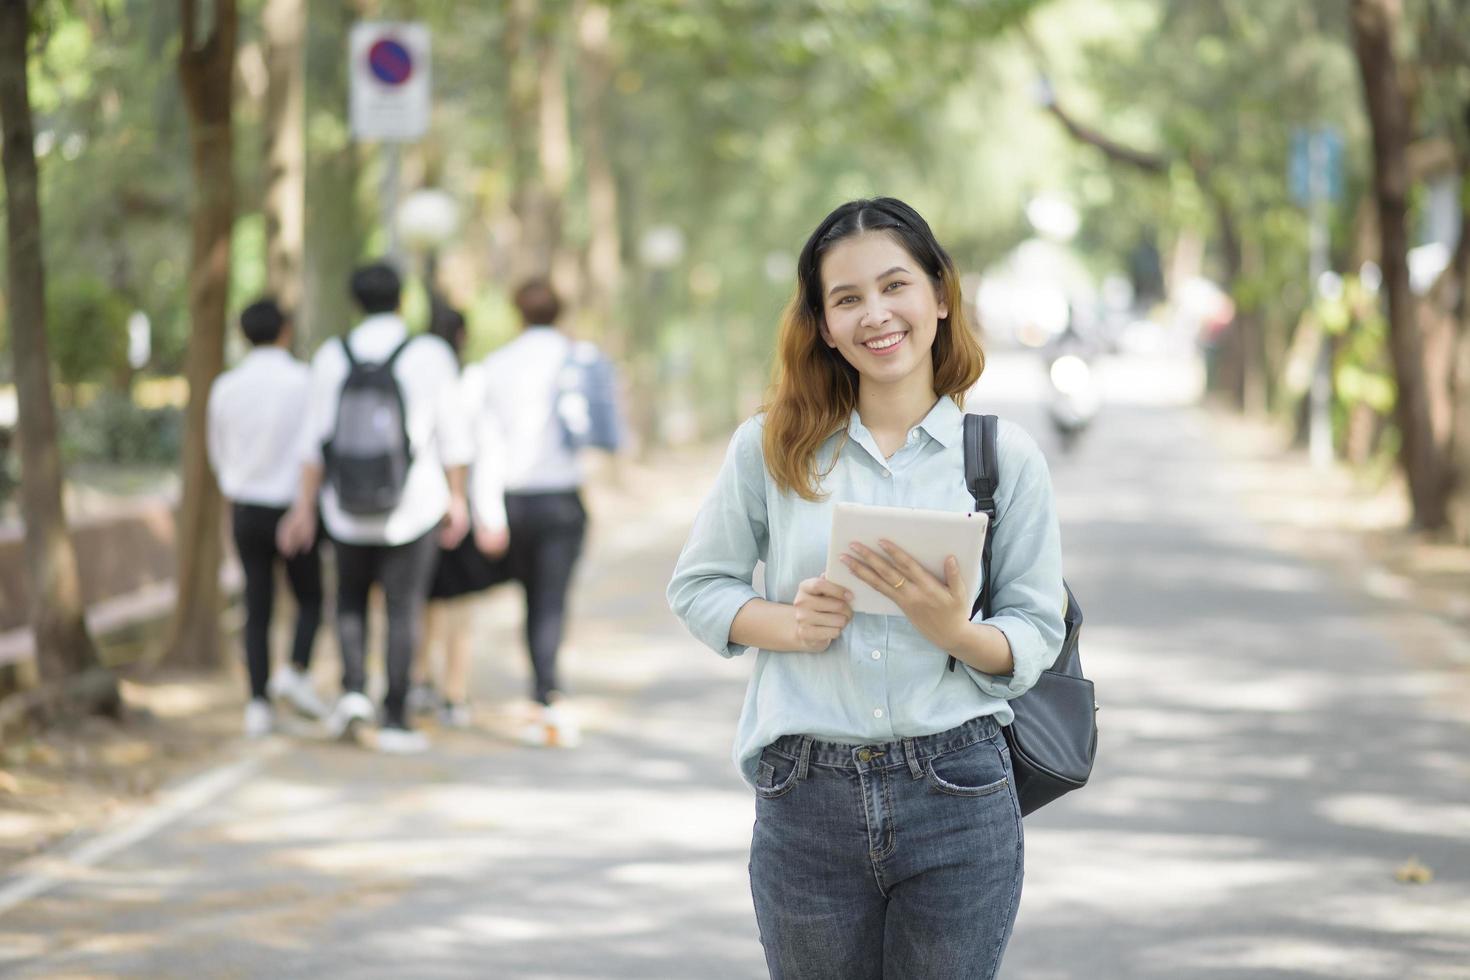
(883,342)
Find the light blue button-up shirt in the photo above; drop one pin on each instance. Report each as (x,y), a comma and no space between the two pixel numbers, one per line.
(880,679)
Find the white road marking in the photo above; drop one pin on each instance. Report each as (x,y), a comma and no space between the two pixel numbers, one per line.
(42,873)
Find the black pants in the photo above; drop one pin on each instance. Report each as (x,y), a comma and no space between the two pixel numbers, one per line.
(404,572)
(546,532)
(255,539)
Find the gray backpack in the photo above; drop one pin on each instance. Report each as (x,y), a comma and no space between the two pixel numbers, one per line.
(368,455)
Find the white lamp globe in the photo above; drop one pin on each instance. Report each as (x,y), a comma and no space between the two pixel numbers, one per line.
(427,218)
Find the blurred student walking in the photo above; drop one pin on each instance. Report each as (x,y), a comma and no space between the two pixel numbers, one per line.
(547,395)
(255,412)
(386,447)
(441,668)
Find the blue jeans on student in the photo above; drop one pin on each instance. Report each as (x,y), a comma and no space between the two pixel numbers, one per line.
(900,859)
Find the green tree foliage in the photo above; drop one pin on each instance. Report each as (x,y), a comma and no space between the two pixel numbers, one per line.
(87,321)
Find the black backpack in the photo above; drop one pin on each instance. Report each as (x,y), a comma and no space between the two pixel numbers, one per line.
(368,456)
(1053,737)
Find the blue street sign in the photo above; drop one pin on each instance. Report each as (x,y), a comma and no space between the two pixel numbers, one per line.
(1315,167)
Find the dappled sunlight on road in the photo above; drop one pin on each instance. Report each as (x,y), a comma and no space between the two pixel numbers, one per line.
(1397,814)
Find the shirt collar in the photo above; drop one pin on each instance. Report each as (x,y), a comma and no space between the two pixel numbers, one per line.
(267,352)
(943,424)
(384,323)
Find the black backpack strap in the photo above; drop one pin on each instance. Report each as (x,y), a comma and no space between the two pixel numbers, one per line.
(347,349)
(398,350)
(982,476)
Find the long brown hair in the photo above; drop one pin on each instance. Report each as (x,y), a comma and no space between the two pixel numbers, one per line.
(813,388)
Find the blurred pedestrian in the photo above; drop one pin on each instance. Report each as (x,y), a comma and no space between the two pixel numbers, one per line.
(441,668)
(887,840)
(545,396)
(386,447)
(255,412)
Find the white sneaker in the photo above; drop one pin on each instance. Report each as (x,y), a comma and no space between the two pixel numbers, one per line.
(352,709)
(294,687)
(401,741)
(562,728)
(455,715)
(552,727)
(259,718)
(421,699)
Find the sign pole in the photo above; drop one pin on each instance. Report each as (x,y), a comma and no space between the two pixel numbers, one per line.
(392,158)
(1319,440)
(389,103)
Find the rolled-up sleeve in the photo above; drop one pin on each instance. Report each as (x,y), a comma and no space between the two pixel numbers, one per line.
(214,441)
(713,577)
(1027,597)
(487,473)
(453,433)
(321,405)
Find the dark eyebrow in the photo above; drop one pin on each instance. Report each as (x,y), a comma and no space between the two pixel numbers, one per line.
(842,285)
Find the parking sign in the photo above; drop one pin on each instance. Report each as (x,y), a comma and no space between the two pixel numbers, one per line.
(389,98)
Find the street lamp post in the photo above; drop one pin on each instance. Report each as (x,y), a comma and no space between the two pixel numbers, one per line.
(427,219)
(660,250)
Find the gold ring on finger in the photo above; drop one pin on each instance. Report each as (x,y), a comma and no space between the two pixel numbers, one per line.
(899,583)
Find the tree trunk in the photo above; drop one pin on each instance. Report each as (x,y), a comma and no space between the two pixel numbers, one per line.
(206,74)
(604,248)
(554,154)
(284,23)
(537,128)
(1458,308)
(334,225)
(1373,23)
(63,646)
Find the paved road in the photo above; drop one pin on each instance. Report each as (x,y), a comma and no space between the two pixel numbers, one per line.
(1274,746)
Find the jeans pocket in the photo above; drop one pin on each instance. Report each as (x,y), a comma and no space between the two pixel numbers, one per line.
(775,775)
(978,769)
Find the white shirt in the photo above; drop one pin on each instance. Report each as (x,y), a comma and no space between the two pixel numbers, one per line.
(487,473)
(518,407)
(255,412)
(437,431)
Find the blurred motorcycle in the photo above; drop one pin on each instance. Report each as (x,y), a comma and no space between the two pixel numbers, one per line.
(1075,398)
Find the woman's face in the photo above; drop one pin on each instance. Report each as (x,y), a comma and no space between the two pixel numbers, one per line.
(880,310)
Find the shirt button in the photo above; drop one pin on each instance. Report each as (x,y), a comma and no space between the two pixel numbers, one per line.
(887,472)
(877,654)
(877,712)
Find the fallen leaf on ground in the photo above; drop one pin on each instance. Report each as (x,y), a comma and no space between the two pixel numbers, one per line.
(1411,872)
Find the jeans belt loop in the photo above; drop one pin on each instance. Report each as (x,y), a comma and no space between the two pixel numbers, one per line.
(911,753)
(804,757)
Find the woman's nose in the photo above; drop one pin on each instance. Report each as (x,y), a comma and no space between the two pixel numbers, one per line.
(875,313)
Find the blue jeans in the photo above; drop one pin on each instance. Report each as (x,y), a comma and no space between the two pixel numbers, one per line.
(900,860)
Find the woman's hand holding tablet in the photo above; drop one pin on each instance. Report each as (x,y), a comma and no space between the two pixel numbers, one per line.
(902,561)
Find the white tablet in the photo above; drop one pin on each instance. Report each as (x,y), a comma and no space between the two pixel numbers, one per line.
(930,536)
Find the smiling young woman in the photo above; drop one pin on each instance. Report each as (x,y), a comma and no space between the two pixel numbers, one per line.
(887,840)
(816,385)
